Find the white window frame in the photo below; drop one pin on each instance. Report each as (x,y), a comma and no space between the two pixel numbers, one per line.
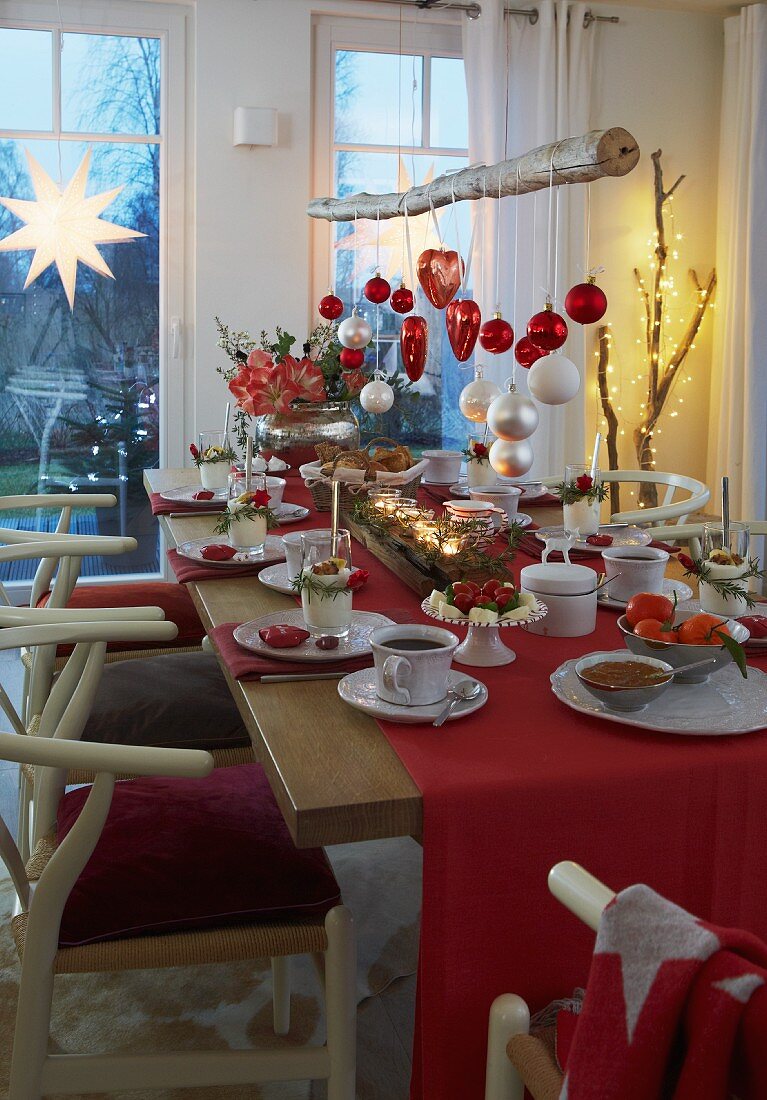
(432,35)
(169,23)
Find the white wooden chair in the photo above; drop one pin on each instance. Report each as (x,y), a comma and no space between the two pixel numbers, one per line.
(693,532)
(45,883)
(586,897)
(680,510)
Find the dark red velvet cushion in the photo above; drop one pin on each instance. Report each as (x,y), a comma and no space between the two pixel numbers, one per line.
(173,598)
(180,854)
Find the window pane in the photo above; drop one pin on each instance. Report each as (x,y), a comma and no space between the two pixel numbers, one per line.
(376,102)
(26,80)
(110,84)
(449,107)
(79,389)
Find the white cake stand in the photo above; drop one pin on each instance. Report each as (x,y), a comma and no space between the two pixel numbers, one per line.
(483,646)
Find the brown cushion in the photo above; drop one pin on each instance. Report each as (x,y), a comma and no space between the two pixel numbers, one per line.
(178,700)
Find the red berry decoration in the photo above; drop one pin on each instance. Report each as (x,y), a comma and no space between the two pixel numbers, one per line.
(547,330)
(526,353)
(496,335)
(402,300)
(351,358)
(586,303)
(377,290)
(331,307)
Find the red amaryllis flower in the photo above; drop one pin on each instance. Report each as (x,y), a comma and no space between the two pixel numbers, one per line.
(584,482)
(262,389)
(193,451)
(480,450)
(354,380)
(687,563)
(308,377)
(357,579)
(258,358)
(261,498)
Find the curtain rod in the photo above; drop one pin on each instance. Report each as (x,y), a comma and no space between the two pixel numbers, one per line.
(474,10)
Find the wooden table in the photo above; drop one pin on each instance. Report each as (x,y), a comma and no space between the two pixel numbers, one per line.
(333,773)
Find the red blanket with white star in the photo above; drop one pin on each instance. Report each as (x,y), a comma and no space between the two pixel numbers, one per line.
(675,1009)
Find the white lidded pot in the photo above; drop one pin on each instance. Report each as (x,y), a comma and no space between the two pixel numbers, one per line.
(569,592)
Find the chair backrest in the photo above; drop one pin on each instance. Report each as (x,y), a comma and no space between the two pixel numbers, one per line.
(693,532)
(579,891)
(680,510)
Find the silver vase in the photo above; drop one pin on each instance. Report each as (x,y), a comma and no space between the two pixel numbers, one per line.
(294,437)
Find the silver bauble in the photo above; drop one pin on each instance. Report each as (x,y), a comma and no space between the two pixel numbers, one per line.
(512,416)
(377,396)
(354,332)
(511,459)
(476,397)
(554,379)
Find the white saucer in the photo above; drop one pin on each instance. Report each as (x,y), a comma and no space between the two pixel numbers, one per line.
(461,489)
(521,519)
(358,689)
(621,536)
(276,577)
(185,495)
(291,513)
(274,550)
(355,644)
(683,592)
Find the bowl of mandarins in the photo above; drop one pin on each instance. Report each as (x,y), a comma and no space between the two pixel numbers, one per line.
(653,627)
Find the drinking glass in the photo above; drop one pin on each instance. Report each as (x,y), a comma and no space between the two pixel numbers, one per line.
(325,600)
(581,518)
(214,475)
(735,544)
(247,534)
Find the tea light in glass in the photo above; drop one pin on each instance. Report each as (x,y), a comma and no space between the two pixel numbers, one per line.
(385,500)
(408,509)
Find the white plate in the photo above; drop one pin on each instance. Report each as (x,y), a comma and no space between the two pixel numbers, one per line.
(274,550)
(683,592)
(358,689)
(621,536)
(725,704)
(536,490)
(185,495)
(533,617)
(291,513)
(355,644)
(276,577)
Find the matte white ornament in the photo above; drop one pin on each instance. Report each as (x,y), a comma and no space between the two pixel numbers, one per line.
(511,459)
(554,379)
(377,396)
(512,416)
(354,332)
(476,397)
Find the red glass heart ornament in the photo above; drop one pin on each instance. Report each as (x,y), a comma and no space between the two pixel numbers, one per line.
(526,353)
(217,552)
(331,307)
(402,300)
(414,345)
(586,303)
(283,636)
(462,321)
(439,273)
(547,329)
(377,290)
(351,358)
(496,335)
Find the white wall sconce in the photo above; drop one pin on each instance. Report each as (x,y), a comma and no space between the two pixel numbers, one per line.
(255,126)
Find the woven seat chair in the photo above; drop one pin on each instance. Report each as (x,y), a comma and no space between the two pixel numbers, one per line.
(46,885)
(679,510)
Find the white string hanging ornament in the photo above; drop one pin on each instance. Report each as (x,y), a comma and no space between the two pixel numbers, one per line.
(462,316)
(377,289)
(476,397)
(586,303)
(402,300)
(331,307)
(547,330)
(377,396)
(439,269)
(355,332)
(525,351)
(414,333)
(497,335)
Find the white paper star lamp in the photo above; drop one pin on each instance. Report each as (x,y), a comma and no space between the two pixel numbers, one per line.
(63,226)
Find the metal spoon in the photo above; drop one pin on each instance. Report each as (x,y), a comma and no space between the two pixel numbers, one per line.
(686,668)
(463,690)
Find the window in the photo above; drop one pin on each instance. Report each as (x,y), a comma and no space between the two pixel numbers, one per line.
(386,121)
(82,389)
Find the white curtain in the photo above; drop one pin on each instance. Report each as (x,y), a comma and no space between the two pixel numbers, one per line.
(738,418)
(543,71)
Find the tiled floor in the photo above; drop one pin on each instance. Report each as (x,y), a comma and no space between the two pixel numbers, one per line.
(11,675)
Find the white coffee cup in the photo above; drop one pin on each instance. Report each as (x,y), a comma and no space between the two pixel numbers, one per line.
(502,496)
(294,549)
(409,675)
(275,487)
(444,467)
(641,567)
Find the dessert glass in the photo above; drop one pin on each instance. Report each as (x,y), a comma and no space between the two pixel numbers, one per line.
(325,600)
(581,518)
(735,546)
(247,534)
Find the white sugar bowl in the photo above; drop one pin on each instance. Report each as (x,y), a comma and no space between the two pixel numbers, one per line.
(569,592)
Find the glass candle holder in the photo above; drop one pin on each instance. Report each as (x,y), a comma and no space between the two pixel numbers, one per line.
(408,509)
(385,501)
(581,518)
(725,558)
(326,601)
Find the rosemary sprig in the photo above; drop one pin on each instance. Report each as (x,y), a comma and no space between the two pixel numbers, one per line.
(248,511)
(571,494)
(305,582)
(223,454)
(728,588)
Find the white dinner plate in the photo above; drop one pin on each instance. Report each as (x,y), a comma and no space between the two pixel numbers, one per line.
(291,513)
(276,577)
(355,644)
(274,550)
(185,495)
(358,689)
(683,592)
(621,536)
(725,704)
(531,492)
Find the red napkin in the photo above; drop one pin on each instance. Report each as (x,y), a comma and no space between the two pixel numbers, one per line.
(187,570)
(161,507)
(244,665)
(218,552)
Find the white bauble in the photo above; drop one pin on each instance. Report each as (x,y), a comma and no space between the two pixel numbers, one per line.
(354,332)
(554,379)
(377,396)
(511,459)
(476,397)
(512,416)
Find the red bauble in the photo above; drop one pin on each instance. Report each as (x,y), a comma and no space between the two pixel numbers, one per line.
(414,344)
(439,273)
(526,353)
(402,300)
(331,307)
(377,290)
(586,303)
(496,335)
(547,330)
(462,321)
(351,358)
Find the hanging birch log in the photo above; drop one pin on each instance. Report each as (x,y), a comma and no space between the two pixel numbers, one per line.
(582,159)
